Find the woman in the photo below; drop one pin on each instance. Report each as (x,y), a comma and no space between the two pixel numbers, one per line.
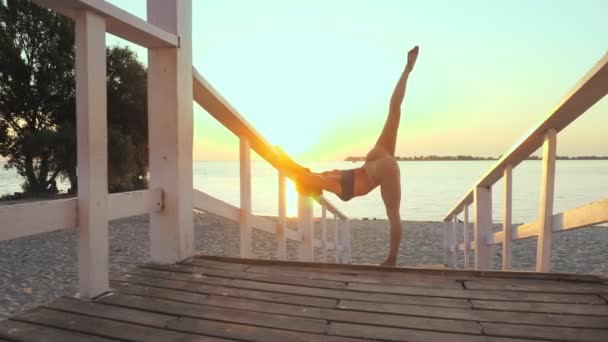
(379,169)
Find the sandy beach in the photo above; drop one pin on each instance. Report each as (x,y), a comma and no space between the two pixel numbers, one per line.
(39,268)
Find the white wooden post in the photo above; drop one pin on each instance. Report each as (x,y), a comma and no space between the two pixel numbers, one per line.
(507,225)
(282,224)
(170,131)
(543,251)
(465,236)
(245,218)
(346,241)
(454,241)
(483,225)
(324,233)
(336,240)
(446,243)
(305,227)
(92,154)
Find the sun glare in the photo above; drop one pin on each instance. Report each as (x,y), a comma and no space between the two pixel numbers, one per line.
(292,199)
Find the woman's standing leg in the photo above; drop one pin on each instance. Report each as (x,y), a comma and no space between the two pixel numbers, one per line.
(390,189)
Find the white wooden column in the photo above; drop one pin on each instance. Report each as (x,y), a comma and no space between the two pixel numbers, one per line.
(507,224)
(446,243)
(245,218)
(324,233)
(465,236)
(305,228)
(337,258)
(282,224)
(543,251)
(170,132)
(92,154)
(483,225)
(346,242)
(454,241)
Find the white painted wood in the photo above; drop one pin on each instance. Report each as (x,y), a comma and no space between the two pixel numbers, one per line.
(282,219)
(210,204)
(461,246)
(483,224)
(454,242)
(126,204)
(507,223)
(584,216)
(588,90)
(245,217)
(446,242)
(543,251)
(170,129)
(118,22)
(19,220)
(465,236)
(92,154)
(305,226)
(330,207)
(324,233)
(337,256)
(346,244)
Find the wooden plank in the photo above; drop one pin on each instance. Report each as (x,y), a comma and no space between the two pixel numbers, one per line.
(361,278)
(556,308)
(107,328)
(507,214)
(28,332)
(217,264)
(337,242)
(549,333)
(219,313)
(583,216)
(170,122)
(446,242)
(89,308)
(245,191)
(348,316)
(92,153)
(537,286)
(589,89)
(19,220)
(409,335)
(249,333)
(545,319)
(373,270)
(483,225)
(264,277)
(119,22)
(225,291)
(545,224)
(133,203)
(282,219)
(477,294)
(305,227)
(210,204)
(453,241)
(147,291)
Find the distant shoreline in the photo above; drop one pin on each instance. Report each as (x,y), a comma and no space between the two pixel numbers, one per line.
(473,158)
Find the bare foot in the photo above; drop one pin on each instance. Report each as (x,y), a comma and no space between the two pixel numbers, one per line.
(389,262)
(412,56)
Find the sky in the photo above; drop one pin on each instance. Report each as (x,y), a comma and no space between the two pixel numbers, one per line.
(315,76)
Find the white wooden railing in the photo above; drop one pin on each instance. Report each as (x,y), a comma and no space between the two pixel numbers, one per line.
(590,89)
(172,87)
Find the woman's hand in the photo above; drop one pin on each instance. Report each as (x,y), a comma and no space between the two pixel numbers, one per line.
(411,59)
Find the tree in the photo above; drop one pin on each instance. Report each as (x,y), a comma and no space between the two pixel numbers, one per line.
(36,90)
(37,102)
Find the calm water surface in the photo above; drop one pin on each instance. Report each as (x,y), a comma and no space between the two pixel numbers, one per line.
(429,189)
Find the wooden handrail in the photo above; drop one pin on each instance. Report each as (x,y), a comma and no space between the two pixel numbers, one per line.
(118,22)
(590,89)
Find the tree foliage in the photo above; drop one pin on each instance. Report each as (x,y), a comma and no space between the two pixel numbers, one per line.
(37,102)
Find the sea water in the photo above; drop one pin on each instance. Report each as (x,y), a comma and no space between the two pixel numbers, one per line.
(429,189)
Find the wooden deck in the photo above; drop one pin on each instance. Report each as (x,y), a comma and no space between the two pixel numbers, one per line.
(213,299)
